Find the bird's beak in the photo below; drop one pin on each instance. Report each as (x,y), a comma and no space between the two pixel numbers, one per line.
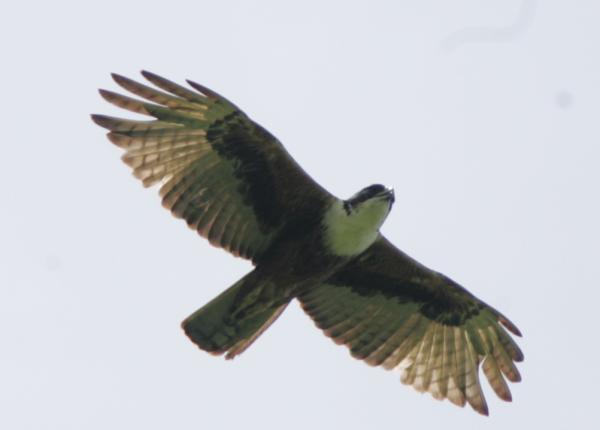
(389,195)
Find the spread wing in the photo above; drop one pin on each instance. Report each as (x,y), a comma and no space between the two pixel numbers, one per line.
(391,311)
(229,178)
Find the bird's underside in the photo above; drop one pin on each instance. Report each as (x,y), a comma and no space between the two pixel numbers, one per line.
(236,185)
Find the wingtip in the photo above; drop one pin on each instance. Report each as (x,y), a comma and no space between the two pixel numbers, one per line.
(125,82)
(148,75)
(157,80)
(481,409)
(212,95)
(208,93)
(106,94)
(117,78)
(101,120)
(478,403)
(510,326)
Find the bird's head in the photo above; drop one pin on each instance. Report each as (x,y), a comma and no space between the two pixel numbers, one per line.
(374,198)
(353,225)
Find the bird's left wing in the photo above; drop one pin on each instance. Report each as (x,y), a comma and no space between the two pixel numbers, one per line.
(229,178)
(392,311)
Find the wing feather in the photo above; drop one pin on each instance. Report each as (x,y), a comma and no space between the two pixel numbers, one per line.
(495,378)
(376,335)
(418,374)
(439,378)
(173,88)
(232,181)
(409,337)
(384,354)
(391,311)
(197,104)
(473,387)
(433,364)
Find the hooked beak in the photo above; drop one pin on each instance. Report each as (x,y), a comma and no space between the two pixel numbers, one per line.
(388,194)
(391,195)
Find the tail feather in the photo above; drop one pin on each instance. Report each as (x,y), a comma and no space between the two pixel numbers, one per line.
(218,327)
(244,343)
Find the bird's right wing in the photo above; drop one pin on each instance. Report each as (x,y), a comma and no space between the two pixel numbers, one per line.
(392,311)
(228,177)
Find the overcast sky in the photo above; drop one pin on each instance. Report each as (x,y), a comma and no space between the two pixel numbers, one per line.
(483,115)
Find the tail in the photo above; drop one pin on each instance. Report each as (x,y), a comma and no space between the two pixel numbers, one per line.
(224,326)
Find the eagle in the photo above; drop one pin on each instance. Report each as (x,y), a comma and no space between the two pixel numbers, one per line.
(235,184)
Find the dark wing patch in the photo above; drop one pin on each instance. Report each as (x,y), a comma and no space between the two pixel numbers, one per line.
(392,311)
(229,178)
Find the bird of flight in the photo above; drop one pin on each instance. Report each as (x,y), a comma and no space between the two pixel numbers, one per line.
(236,185)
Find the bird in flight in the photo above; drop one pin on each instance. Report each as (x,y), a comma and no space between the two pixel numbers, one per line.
(236,185)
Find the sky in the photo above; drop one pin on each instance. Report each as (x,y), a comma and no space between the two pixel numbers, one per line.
(482,115)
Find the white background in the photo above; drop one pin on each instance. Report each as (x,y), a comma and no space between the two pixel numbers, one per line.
(482,114)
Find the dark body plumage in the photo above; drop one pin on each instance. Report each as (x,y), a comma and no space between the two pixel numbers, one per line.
(236,185)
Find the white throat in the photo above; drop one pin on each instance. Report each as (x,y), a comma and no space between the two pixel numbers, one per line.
(350,234)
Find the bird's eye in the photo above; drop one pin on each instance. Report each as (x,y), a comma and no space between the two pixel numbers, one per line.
(347,207)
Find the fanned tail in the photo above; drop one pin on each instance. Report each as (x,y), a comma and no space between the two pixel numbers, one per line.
(220,327)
